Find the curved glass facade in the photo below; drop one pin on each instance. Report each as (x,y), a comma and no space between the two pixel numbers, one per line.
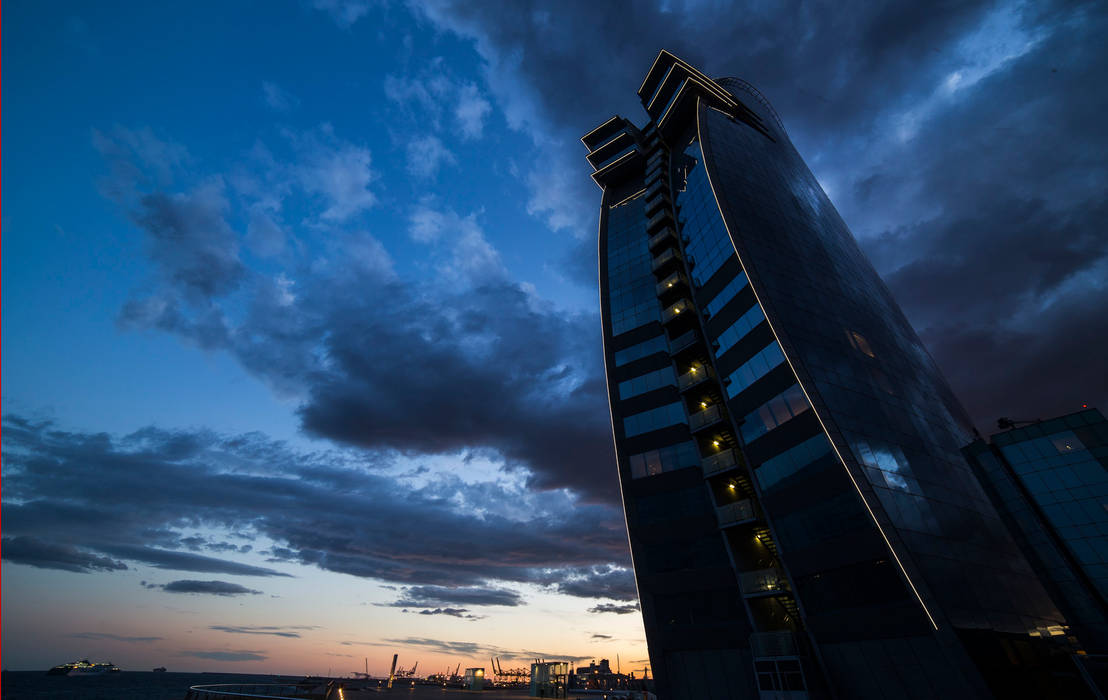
(800,517)
(901,442)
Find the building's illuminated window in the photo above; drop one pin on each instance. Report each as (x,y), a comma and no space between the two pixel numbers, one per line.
(859,343)
(664,459)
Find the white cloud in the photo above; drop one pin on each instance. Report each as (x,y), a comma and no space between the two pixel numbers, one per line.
(460,249)
(426,154)
(562,197)
(263,234)
(277,97)
(135,154)
(432,94)
(405,91)
(344,12)
(285,296)
(338,171)
(471,111)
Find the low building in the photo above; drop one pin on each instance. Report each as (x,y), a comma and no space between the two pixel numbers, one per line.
(599,676)
(549,679)
(474,679)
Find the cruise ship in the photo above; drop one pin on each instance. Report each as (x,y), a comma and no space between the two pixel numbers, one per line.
(83,668)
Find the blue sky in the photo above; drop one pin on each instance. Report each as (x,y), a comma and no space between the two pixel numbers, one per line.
(302,354)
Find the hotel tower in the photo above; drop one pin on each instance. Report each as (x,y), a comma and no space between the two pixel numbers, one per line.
(802,521)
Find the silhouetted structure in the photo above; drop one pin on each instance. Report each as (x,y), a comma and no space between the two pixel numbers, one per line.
(801,519)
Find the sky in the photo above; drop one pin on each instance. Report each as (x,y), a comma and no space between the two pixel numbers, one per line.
(301,348)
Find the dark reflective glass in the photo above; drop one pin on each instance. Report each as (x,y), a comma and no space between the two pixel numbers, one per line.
(849,344)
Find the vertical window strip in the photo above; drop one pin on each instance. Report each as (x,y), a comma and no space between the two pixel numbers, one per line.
(709,243)
(632,299)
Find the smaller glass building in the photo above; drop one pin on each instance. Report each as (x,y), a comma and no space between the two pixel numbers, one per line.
(1049,480)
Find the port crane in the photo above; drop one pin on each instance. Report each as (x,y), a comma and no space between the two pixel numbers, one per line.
(512,675)
(359,674)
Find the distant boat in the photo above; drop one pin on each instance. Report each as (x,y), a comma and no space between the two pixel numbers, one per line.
(160,669)
(83,668)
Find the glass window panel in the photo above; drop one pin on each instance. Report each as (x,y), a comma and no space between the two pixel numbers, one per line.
(754,369)
(647,382)
(655,418)
(773,413)
(738,330)
(636,352)
(666,459)
(729,292)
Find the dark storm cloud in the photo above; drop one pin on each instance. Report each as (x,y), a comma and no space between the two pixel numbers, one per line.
(427,596)
(531,391)
(227,655)
(382,363)
(191,241)
(184,561)
(963,143)
(270,630)
(48,555)
(451,612)
(614,608)
(617,583)
(581,62)
(105,636)
(245,483)
(223,588)
(448,647)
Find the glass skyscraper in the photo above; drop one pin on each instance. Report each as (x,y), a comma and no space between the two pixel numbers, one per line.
(802,521)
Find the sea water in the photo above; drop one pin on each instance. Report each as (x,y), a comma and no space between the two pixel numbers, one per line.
(134,685)
(126,685)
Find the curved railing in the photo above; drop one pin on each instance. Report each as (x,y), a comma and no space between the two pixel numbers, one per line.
(230,691)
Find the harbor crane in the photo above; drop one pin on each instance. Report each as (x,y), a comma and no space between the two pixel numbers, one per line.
(512,675)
